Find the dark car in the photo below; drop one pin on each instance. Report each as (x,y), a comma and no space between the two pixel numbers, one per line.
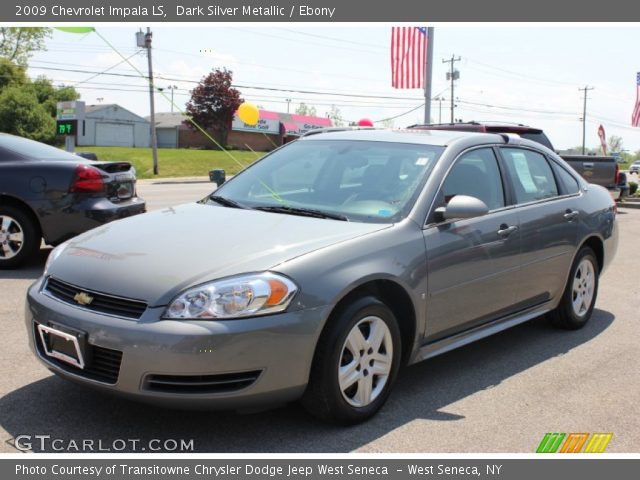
(46,193)
(322,268)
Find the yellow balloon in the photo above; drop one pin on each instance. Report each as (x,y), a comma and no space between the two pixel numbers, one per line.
(249,113)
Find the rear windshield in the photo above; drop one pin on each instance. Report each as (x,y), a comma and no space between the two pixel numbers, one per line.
(540,138)
(23,148)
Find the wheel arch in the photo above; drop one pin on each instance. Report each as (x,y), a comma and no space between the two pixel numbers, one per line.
(597,245)
(396,298)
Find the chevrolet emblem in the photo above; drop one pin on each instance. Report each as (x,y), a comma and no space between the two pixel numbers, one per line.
(83,298)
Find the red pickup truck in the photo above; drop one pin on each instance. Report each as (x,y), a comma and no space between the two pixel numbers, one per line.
(601,170)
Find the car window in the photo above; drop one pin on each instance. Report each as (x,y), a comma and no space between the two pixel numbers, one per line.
(530,174)
(476,174)
(569,182)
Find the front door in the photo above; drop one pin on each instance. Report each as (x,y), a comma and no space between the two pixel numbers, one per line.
(472,264)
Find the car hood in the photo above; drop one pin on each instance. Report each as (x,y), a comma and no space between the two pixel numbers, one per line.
(152,257)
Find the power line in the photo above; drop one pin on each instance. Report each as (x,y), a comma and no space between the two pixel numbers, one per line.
(106,70)
(334,39)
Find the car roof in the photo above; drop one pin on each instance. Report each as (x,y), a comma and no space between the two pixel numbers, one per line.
(426,137)
(489,127)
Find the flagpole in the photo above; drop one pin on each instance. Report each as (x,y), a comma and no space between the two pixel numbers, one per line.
(428,75)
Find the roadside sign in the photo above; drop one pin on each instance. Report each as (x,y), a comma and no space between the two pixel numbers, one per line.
(66,127)
(70,110)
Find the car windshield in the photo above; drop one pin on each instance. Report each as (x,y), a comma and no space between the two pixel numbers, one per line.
(365,181)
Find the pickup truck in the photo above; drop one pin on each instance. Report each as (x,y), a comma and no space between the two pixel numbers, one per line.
(600,170)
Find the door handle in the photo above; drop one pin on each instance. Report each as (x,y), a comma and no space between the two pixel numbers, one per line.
(506,230)
(571,215)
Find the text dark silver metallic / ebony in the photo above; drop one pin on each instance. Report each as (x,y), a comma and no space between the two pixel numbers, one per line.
(319,271)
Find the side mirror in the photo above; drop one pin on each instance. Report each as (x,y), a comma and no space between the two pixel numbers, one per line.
(462,206)
(218,176)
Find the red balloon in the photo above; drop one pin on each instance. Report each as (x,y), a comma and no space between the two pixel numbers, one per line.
(365,122)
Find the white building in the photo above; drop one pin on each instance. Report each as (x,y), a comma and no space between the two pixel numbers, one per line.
(111,125)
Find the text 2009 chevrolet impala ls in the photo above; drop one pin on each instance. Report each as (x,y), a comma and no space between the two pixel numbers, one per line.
(318,271)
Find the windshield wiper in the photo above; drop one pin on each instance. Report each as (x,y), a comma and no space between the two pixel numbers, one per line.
(305,212)
(227,202)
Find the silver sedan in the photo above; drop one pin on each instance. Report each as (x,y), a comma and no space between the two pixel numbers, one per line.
(320,270)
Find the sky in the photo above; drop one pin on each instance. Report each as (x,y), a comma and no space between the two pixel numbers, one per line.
(521,74)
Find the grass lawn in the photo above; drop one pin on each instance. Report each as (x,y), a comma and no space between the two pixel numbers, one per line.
(176,162)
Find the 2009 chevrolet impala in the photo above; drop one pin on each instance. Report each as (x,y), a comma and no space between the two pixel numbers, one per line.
(319,270)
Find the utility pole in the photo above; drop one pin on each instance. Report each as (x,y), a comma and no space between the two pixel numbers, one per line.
(452,75)
(144,41)
(288,100)
(172,88)
(428,75)
(584,115)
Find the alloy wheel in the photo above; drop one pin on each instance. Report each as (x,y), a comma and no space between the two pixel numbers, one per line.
(583,287)
(365,361)
(11,237)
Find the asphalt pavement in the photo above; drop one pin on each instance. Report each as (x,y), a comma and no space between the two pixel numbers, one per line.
(501,394)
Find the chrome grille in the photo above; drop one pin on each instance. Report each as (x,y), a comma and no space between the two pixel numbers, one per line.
(102,302)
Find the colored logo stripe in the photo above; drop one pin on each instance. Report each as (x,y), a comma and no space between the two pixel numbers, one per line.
(574,443)
(598,442)
(550,442)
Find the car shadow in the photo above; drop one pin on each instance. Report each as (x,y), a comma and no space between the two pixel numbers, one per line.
(67,411)
(32,269)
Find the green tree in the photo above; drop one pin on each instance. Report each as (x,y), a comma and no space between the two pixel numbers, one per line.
(213,103)
(614,144)
(304,109)
(336,116)
(18,44)
(21,114)
(11,73)
(48,95)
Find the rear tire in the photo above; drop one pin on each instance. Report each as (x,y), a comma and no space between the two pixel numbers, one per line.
(356,363)
(579,298)
(19,236)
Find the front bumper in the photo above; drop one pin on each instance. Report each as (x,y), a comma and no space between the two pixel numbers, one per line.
(279,348)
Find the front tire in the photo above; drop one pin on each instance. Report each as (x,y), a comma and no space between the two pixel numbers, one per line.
(19,236)
(579,298)
(356,363)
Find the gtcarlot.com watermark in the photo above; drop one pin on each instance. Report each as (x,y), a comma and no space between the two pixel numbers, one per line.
(47,443)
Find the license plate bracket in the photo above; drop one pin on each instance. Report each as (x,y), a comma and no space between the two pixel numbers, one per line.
(64,344)
(125,190)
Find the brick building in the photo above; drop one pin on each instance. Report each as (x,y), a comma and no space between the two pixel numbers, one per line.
(272,130)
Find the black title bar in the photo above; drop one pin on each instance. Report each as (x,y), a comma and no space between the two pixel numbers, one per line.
(416,12)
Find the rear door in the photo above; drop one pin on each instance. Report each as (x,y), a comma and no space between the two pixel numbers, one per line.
(472,264)
(547,199)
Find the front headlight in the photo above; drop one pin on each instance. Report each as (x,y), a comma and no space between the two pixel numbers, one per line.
(55,253)
(244,296)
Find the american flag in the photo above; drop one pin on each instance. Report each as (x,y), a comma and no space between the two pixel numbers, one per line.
(635,116)
(408,56)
